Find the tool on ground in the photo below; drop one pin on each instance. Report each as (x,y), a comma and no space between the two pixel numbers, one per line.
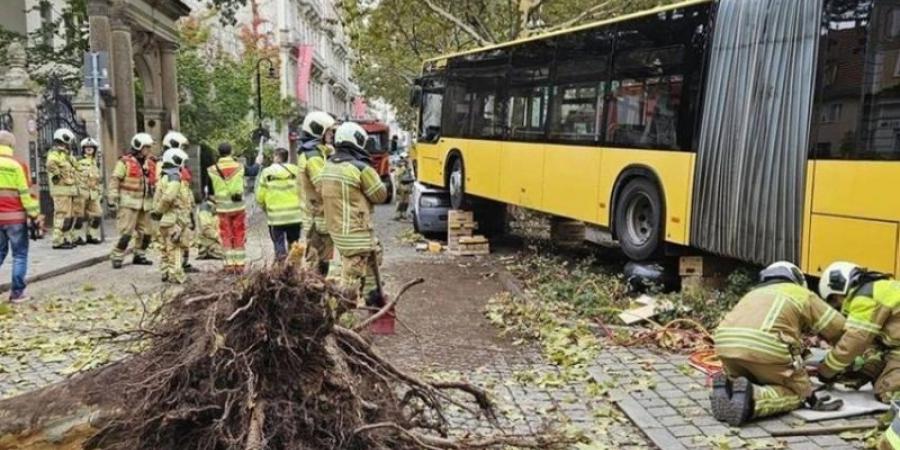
(385,323)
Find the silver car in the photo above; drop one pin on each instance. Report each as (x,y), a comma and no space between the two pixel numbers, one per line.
(430,206)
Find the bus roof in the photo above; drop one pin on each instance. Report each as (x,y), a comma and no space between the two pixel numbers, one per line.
(538,37)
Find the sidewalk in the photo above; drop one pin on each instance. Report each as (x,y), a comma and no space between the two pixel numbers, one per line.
(669,401)
(44,262)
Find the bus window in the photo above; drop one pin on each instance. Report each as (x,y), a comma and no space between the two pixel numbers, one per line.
(529,90)
(881,91)
(582,68)
(475,81)
(432,106)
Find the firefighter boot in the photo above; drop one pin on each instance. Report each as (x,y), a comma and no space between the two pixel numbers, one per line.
(736,408)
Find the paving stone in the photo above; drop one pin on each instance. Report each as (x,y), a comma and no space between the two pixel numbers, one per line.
(684,431)
(752,432)
(669,394)
(704,420)
(805,446)
(664,439)
(662,411)
(692,411)
(682,402)
(715,430)
(652,402)
(826,441)
(672,421)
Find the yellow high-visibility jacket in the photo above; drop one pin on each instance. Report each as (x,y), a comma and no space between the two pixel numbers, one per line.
(63,171)
(278,194)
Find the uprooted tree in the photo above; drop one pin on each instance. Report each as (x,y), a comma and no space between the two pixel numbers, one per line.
(261,362)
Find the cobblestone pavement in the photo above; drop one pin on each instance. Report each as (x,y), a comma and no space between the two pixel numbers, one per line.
(669,401)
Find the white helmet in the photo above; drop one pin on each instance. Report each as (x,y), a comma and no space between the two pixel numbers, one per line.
(64,135)
(404,155)
(783,270)
(352,134)
(316,122)
(838,278)
(140,141)
(175,156)
(174,139)
(89,142)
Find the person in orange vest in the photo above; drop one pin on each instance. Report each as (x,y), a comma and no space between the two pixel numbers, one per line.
(131,193)
(17,205)
(227,179)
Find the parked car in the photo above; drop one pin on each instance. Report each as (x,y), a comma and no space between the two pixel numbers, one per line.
(430,207)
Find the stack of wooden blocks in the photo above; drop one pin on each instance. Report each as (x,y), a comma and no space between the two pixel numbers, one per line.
(461,240)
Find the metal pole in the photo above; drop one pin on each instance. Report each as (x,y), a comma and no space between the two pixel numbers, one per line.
(95,76)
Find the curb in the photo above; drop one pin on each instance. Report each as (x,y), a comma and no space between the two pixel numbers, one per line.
(5,287)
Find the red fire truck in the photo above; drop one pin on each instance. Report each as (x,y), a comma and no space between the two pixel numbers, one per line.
(379,146)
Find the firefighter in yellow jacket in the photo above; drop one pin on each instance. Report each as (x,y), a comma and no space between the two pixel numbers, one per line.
(278,194)
(350,188)
(208,245)
(63,171)
(172,209)
(90,187)
(871,302)
(311,161)
(131,194)
(760,345)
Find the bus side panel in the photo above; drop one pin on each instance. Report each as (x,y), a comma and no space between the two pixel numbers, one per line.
(572,181)
(522,174)
(430,158)
(675,172)
(807,218)
(861,196)
(481,163)
(869,243)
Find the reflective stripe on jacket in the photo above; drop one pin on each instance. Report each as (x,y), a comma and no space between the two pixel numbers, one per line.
(63,171)
(767,324)
(278,194)
(16,201)
(227,176)
(129,184)
(311,162)
(871,316)
(173,199)
(350,188)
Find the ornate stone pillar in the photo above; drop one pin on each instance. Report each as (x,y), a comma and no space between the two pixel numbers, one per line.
(123,81)
(170,86)
(101,41)
(17,99)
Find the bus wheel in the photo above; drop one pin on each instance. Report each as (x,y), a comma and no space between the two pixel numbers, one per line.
(457,185)
(638,219)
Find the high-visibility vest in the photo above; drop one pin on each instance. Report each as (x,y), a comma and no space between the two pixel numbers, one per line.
(350,188)
(130,186)
(173,199)
(278,194)
(16,202)
(63,171)
(227,176)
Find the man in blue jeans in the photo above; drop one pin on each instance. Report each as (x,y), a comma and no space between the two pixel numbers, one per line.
(16,206)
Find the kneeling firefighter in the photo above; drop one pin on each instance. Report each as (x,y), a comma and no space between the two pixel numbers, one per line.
(760,345)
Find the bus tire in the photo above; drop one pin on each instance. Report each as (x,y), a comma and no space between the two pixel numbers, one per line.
(456,184)
(638,219)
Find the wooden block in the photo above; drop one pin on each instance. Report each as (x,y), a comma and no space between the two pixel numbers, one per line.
(691,266)
(694,282)
(455,215)
(434,246)
(473,239)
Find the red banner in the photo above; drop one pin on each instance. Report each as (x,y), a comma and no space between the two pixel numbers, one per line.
(304,68)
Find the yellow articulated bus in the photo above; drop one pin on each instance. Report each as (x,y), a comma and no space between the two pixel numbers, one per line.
(761,130)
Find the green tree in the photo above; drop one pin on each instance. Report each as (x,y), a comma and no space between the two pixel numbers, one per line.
(217,89)
(394,37)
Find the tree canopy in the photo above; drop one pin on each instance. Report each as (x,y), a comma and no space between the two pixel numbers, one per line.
(394,37)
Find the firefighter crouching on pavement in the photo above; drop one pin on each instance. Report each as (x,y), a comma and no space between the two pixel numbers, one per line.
(278,194)
(760,345)
(350,187)
(63,171)
(172,208)
(871,302)
(227,177)
(131,194)
(890,440)
(176,140)
(311,161)
(208,245)
(404,180)
(90,215)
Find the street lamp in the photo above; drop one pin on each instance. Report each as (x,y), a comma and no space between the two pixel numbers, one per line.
(261,134)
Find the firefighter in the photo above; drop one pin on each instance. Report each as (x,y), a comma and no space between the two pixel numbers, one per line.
(176,140)
(227,178)
(91,190)
(131,193)
(172,206)
(208,245)
(890,440)
(870,300)
(350,187)
(278,194)
(63,171)
(311,161)
(404,181)
(760,345)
